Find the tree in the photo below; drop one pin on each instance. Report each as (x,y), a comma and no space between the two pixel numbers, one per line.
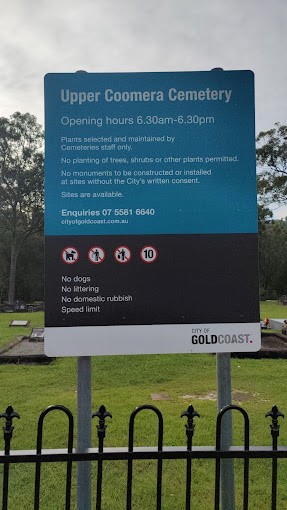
(21,184)
(264,216)
(30,270)
(272,161)
(273,259)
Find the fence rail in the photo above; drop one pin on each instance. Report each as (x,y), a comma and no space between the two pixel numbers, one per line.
(101,455)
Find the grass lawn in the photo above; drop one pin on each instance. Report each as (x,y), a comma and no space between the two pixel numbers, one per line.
(8,333)
(273,310)
(124,382)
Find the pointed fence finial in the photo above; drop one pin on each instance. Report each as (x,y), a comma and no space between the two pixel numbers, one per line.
(274,414)
(190,413)
(102,414)
(8,428)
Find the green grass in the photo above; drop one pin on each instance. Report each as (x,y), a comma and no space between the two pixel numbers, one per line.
(273,310)
(8,333)
(123,382)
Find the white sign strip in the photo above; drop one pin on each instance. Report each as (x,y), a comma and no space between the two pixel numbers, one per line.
(152,339)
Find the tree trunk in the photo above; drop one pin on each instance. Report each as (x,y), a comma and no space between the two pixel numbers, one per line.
(13,267)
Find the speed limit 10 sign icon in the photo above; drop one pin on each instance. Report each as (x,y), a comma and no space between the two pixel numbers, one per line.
(148,254)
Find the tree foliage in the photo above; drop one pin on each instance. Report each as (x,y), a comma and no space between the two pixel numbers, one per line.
(271,156)
(273,259)
(272,162)
(21,185)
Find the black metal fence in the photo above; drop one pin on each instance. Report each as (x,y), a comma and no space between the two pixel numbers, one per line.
(130,454)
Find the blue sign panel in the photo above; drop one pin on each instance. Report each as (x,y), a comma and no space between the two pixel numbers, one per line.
(151,213)
(150,153)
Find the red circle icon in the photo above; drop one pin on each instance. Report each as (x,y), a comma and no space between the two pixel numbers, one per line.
(70,255)
(148,254)
(122,254)
(96,254)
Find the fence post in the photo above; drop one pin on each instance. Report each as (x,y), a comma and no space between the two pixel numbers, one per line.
(224,399)
(84,434)
(8,433)
(101,414)
(274,426)
(190,414)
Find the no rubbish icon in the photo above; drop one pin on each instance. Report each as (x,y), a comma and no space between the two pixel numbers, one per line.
(122,254)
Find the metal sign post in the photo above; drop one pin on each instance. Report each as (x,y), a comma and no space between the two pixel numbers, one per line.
(84,435)
(223,399)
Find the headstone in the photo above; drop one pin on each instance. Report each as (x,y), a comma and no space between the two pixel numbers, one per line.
(19,323)
(37,335)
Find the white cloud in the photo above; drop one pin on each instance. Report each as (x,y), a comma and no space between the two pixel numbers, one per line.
(279,212)
(40,36)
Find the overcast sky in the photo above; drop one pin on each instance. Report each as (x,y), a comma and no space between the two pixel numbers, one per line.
(42,36)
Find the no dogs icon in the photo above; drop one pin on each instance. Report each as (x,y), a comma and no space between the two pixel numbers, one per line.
(70,255)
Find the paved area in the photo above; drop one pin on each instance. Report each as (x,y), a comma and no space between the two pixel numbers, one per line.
(23,350)
(272,346)
(271,342)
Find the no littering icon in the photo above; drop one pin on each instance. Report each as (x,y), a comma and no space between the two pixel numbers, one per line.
(96,254)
